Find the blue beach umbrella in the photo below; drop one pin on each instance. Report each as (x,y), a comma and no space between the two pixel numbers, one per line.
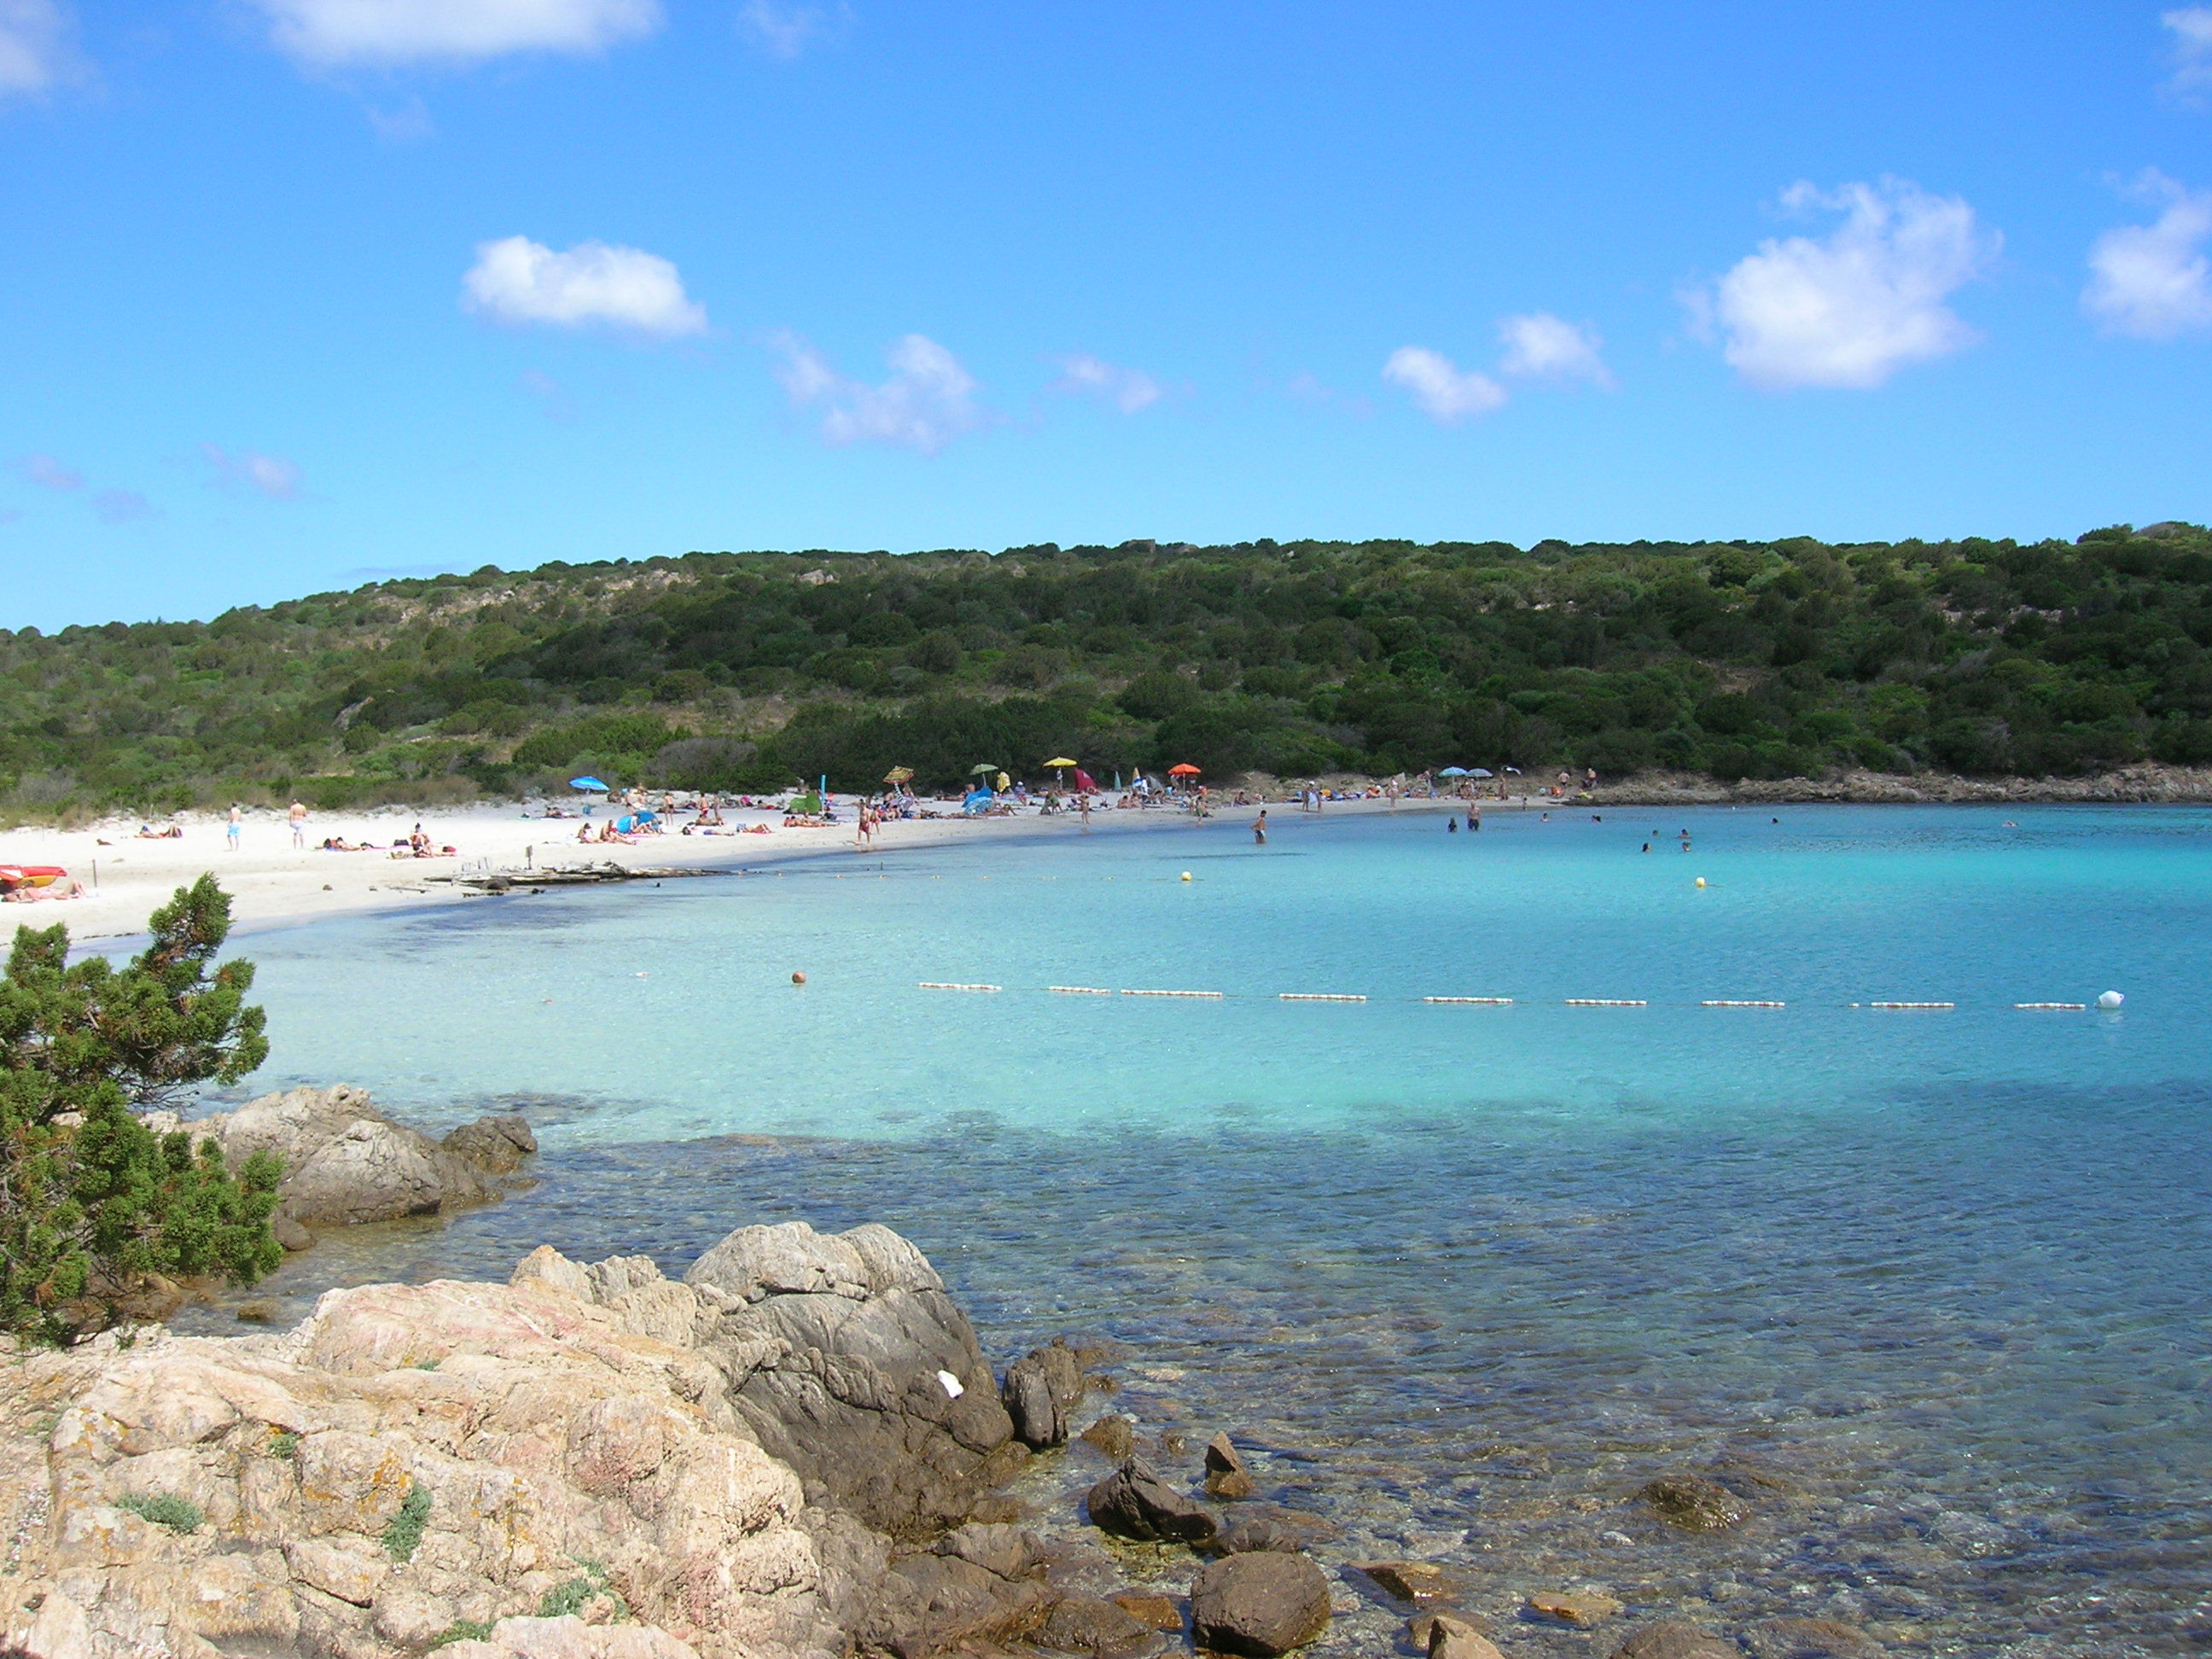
(588,783)
(1453,772)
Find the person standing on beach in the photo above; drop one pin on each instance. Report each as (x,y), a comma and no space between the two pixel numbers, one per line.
(230,830)
(1260,829)
(1082,805)
(299,816)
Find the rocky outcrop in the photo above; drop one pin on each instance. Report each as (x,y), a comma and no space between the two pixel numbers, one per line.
(851,1363)
(346,1162)
(411,1462)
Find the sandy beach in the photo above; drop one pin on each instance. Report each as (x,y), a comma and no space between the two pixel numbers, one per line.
(271,883)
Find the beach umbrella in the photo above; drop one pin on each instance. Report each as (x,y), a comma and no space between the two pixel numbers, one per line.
(589,783)
(1460,772)
(983,770)
(1056,763)
(1184,769)
(1481,772)
(898,774)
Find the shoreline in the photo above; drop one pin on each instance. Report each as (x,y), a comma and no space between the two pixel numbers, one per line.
(273,884)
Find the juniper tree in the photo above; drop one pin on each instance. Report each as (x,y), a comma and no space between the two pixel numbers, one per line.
(93,1203)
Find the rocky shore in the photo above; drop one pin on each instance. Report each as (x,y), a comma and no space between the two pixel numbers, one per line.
(2148,784)
(799,1448)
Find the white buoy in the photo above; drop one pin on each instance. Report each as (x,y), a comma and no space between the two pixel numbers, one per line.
(2111,999)
(1186,875)
(1701,881)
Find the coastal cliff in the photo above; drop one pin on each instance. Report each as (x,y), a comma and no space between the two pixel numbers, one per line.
(576,1462)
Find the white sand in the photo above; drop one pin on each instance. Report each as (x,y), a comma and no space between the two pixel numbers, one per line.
(269,882)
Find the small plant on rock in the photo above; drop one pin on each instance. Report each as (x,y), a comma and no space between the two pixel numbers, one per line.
(577,1594)
(464,1630)
(403,1535)
(283,1443)
(164,1509)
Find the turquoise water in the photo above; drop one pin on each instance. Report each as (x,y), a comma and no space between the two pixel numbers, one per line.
(1466,1276)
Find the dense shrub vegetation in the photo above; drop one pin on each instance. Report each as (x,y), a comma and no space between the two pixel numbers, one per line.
(95,1207)
(1739,660)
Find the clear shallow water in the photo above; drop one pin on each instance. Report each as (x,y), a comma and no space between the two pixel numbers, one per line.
(1467,1276)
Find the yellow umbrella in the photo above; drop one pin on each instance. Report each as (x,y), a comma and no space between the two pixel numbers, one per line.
(1061,761)
(1056,763)
(898,774)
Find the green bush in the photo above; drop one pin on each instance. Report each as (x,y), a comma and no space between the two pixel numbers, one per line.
(165,1509)
(403,1534)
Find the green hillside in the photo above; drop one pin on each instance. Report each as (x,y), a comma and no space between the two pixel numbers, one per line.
(748,670)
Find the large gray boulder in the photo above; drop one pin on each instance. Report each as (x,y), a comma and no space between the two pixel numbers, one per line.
(346,1162)
(851,1363)
(377,1171)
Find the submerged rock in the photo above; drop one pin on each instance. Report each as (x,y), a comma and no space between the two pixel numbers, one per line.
(1256,1531)
(1160,1612)
(1418,1581)
(1582,1609)
(1114,1434)
(1694,1504)
(1671,1639)
(1085,1624)
(1259,1605)
(1133,1502)
(1455,1638)
(1809,1638)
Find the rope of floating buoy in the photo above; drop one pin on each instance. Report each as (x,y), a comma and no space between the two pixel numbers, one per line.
(1607,1002)
(941,985)
(1478,1002)
(1315,996)
(1171,993)
(1080,990)
(2069,1007)
(1910,1005)
(1728,1003)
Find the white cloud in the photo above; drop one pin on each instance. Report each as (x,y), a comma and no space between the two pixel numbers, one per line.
(410,124)
(1128,389)
(35,48)
(277,479)
(783,30)
(926,404)
(327,33)
(1854,307)
(2192,50)
(49,473)
(515,280)
(1539,346)
(2153,281)
(1439,386)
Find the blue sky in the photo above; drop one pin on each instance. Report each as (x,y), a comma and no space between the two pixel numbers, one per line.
(296,291)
